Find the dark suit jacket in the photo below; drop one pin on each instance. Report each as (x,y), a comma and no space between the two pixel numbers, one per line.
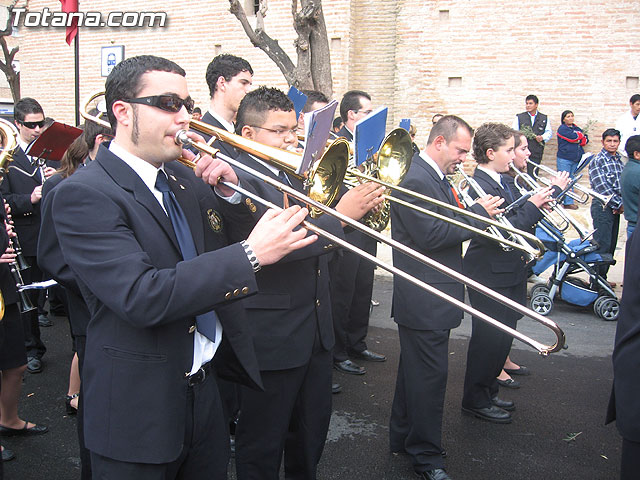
(7,283)
(485,260)
(293,300)
(224,147)
(122,250)
(538,127)
(412,306)
(625,394)
(343,132)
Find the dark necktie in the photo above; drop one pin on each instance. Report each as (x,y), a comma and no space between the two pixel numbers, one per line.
(449,190)
(507,189)
(206,323)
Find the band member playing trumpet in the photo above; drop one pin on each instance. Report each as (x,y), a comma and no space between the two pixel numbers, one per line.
(424,321)
(148,249)
(290,317)
(503,271)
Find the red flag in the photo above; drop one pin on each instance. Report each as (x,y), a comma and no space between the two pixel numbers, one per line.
(70,6)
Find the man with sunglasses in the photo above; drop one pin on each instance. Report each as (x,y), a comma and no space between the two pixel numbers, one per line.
(290,317)
(22,189)
(145,242)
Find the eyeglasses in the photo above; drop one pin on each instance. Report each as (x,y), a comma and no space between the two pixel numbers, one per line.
(168,103)
(32,125)
(281,132)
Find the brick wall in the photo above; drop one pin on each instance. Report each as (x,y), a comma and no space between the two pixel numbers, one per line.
(418,57)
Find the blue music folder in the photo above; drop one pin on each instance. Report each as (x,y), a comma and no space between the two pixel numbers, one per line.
(405,123)
(298,98)
(369,134)
(317,125)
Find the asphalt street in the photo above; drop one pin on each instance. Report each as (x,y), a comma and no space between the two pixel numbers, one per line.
(558,430)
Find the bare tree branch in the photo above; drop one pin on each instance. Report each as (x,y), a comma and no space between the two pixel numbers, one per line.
(264,42)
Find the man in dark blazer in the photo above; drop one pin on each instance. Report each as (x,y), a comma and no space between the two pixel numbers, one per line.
(229,78)
(351,275)
(503,271)
(290,317)
(145,243)
(22,188)
(625,393)
(540,127)
(424,320)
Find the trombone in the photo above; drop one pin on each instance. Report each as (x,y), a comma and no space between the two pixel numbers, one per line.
(183,139)
(585,191)
(564,215)
(265,153)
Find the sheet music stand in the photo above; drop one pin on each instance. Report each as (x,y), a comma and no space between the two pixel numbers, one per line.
(53,142)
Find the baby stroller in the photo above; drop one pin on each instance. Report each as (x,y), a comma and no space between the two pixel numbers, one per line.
(569,259)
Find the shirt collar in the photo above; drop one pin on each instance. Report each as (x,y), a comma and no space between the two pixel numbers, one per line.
(494,175)
(431,163)
(147,172)
(230,127)
(606,154)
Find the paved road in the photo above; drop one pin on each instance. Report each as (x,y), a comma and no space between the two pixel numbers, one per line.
(567,394)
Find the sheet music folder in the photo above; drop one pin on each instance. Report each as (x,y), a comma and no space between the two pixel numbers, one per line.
(53,142)
(369,134)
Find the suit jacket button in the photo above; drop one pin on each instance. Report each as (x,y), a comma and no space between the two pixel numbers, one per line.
(227,295)
(192,328)
(522,257)
(236,292)
(318,272)
(317,303)
(186,374)
(245,290)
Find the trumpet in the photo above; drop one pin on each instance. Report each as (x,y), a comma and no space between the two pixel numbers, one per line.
(585,191)
(183,139)
(533,185)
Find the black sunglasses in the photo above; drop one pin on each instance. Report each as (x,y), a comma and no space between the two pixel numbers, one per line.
(32,125)
(168,103)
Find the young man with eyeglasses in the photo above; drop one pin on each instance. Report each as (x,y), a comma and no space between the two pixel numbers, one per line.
(290,317)
(144,241)
(351,275)
(22,189)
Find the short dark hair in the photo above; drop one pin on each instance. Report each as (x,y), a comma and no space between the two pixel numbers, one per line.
(337,122)
(197,110)
(313,96)
(632,146)
(256,104)
(532,97)
(611,132)
(448,127)
(93,129)
(124,80)
(564,114)
(227,66)
(351,101)
(489,136)
(635,98)
(24,107)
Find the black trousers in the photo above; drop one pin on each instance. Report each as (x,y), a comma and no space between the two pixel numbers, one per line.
(418,403)
(290,417)
(630,462)
(607,225)
(488,347)
(351,288)
(205,452)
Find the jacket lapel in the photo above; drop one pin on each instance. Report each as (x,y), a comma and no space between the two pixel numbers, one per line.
(130,181)
(190,206)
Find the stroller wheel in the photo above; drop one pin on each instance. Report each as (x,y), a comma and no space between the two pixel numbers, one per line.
(609,309)
(541,303)
(596,304)
(539,288)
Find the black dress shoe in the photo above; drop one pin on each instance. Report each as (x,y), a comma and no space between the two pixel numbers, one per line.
(336,388)
(509,383)
(518,371)
(370,356)
(43,321)
(435,474)
(7,454)
(490,414)
(347,366)
(507,405)
(34,365)
(24,431)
